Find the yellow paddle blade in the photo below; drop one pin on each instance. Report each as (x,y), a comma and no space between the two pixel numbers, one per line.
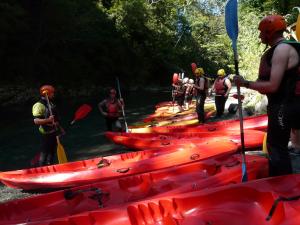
(298,28)
(61,154)
(264,147)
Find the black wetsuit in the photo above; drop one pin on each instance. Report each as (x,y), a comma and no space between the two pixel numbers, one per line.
(200,99)
(220,98)
(281,105)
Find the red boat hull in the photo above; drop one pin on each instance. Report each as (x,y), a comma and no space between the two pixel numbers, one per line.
(208,173)
(64,176)
(246,203)
(253,138)
(253,123)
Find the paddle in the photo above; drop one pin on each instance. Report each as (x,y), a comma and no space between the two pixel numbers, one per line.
(231,23)
(81,112)
(123,112)
(236,96)
(175,80)
(298,28)
(61,154)
(194,67)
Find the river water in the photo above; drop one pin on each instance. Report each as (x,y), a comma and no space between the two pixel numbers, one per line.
(19,138)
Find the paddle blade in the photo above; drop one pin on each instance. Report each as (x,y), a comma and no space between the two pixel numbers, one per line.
(264,147)
(82,112)
(61,154)
(231,22)
(298,28)
(194,67)
(175,78)
(235,96)
(244,172)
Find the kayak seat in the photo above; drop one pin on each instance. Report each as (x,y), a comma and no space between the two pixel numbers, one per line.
(217,204)
(163,212)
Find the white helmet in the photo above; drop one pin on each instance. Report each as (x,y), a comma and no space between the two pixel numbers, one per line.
(185,80)
(191,81)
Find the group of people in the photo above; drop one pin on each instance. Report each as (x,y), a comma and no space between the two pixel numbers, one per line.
(47,119)
(185,89)
(279,79)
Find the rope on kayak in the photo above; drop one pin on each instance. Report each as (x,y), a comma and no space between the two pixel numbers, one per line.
(99,194)
(280,199)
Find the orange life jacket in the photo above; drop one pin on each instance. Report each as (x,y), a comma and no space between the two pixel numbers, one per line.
(220,86)
(112,108)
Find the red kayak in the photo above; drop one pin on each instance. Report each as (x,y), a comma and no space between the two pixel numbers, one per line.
(208,173)
(269,201)
(64,175)
(253,138)
(254,123)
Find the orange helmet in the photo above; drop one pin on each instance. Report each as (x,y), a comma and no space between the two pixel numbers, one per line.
(271,24)
(46,89)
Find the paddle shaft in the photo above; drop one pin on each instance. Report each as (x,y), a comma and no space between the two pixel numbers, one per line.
(231,23)
(236,67)
(123,111)
(173,97)
(51,114)
(240,109)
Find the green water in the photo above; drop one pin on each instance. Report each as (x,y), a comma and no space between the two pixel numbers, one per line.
(19,138)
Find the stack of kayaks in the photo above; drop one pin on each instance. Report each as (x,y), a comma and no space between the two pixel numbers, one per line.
(214,172)
(171,115)
(254,122)
(274,201)
(173,162)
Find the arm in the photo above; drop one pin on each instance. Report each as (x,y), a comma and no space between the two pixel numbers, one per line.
(100,107)
(213,86)
(228,84)
(201,85)
(280,63)
(48,121)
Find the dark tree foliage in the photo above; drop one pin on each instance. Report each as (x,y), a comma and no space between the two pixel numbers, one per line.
(83,42)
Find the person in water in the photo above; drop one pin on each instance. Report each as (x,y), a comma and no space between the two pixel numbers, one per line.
(111,108)
(279,79)
(221,87)
(46,117)
(201,88)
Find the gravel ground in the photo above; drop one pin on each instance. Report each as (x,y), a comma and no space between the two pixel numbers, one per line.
(8,194)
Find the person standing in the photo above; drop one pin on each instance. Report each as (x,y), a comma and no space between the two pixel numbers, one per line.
(48,124)
(201,87)
(111,108)
(221,87)
(279,79)
(179,93)
(189,93)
